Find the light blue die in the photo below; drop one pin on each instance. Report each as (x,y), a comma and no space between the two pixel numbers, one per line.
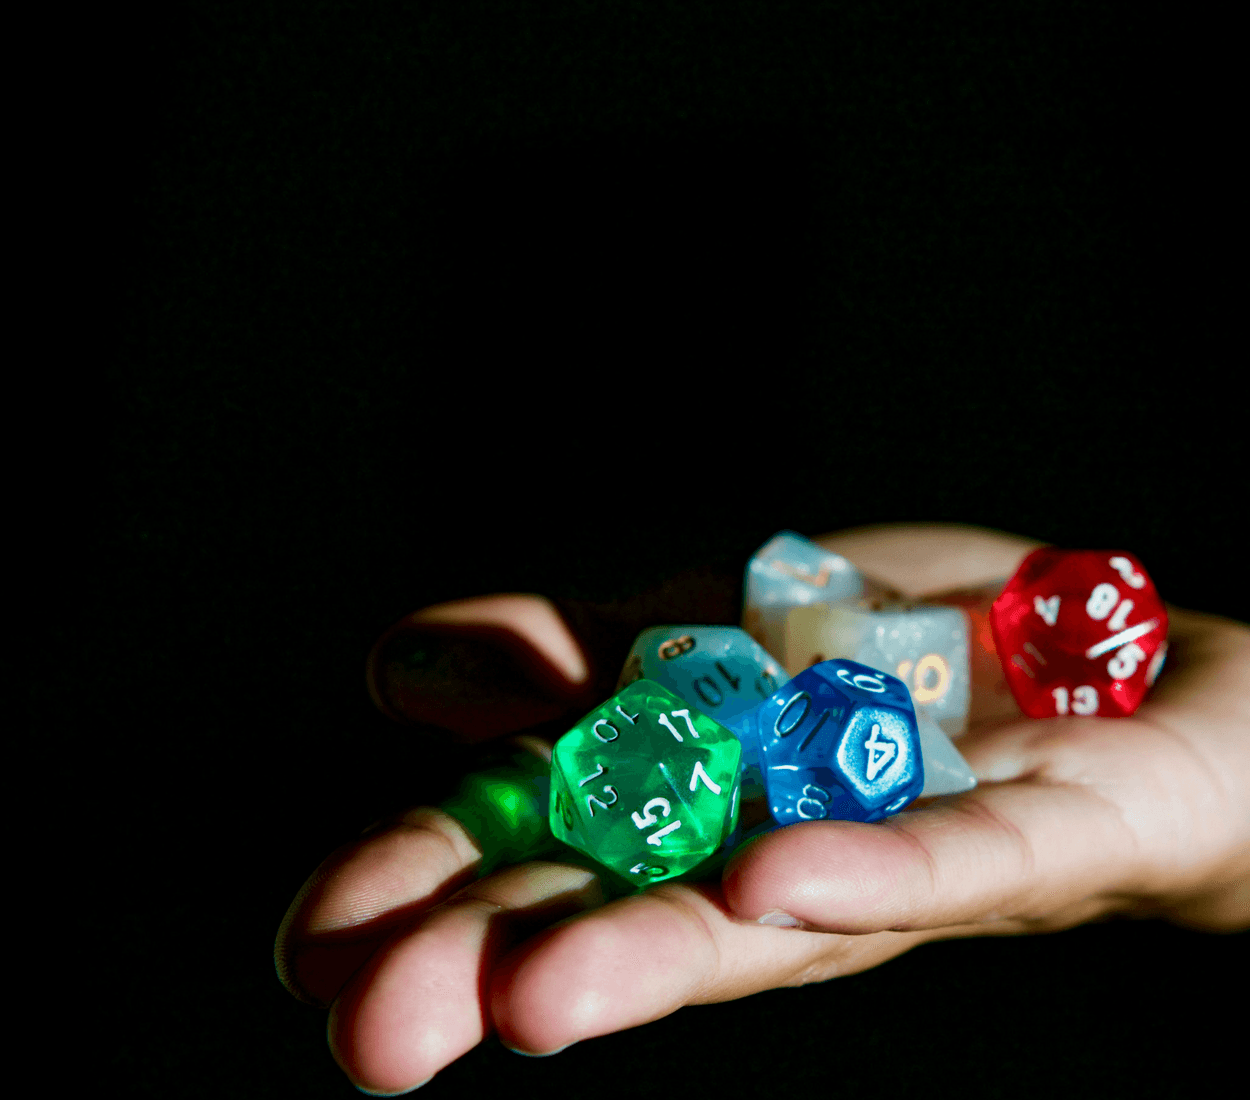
(791,571)
(720,670)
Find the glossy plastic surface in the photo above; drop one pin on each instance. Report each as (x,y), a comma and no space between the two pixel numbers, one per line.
(721,670)
(646,784)
(840,741)
(1081,633)
(925,647)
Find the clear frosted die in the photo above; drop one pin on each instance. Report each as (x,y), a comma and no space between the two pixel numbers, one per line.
(925,647)
(945,769)
(791,571)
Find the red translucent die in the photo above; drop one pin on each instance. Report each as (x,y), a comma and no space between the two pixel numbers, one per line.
(1080,632)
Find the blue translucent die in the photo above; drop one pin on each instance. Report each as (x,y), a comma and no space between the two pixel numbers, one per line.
(791,571)
(925,647)
(840,741)
(721,670)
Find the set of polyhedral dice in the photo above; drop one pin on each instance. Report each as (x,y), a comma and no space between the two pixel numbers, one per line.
(836,701)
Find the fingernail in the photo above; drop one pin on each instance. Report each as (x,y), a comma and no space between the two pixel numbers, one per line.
(548,1054)
(778,919)
(402,1092)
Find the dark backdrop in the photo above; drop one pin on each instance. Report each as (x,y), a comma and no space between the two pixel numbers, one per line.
(416,301)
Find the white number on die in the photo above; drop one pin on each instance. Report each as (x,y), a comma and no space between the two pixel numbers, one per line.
(1120,618)
(660,834)
(593,800)
(1125,568)
(1125,662)
(700,774)
(1101,601)
(647,817)
(862,680)
(666,722)
(1084,700)
(812,806)
(1047,609)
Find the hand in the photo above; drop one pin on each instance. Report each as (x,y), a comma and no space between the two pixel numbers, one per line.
(1074,818)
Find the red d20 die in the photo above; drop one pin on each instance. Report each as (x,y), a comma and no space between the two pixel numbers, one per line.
(1080,632)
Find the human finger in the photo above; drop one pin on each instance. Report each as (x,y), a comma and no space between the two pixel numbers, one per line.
(365,890)
(1024,852)
(479,667)
(417,1004)
(643,957)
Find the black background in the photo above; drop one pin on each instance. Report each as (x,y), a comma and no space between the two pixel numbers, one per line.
(408,302)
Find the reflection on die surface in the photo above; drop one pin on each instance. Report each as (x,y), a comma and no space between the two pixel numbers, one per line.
(838,741)
(646,784)
(925,647)
(721,670)
(1080,632)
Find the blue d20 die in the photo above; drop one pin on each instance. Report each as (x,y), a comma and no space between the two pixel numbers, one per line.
(841,741)
(721,670)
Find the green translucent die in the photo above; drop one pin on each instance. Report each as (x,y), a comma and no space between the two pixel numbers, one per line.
(645,784)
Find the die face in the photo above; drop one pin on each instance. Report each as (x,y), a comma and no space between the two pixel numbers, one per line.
(791,571)
(840,740)
(925,646)
(1080,632)
(646,784)
(721,670)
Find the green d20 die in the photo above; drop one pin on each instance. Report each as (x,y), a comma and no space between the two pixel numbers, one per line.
(645,784)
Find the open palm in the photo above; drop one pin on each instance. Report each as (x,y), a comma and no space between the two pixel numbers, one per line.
(1073,819)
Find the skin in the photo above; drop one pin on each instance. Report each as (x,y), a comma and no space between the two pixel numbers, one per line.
(1073,819)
